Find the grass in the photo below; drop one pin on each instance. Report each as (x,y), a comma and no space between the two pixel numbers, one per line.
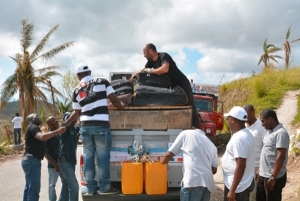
(264,90)
(4,150)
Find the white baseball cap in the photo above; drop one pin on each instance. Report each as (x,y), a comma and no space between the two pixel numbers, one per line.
(238,113)
(82,67)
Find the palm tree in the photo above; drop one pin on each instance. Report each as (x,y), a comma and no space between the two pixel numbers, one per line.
(265,57)
(287,48)
(63,107)
(26,80)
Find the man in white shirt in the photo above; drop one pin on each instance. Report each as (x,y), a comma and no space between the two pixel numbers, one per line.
(259,132)
(238,160)
(17,121)
(200,162)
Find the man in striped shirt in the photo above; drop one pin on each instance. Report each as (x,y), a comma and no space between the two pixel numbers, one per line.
(90,103)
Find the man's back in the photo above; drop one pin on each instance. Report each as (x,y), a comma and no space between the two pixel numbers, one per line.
(199,155)
(17,121)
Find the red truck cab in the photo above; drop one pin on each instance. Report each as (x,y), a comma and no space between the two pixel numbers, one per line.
(210,112)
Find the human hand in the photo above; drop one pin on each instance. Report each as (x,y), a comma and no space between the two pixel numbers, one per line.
(61,130)
(57,168)
(256,175)
(231,196)
(270,184)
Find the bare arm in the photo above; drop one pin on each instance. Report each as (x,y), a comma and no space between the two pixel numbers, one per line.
(277,166)
(72,117)
(135,74)
(214,170)
(166,158)
(46,136)
(161,70)
(238,174)
(115,101)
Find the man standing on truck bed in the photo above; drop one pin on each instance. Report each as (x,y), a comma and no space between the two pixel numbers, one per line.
(162,63)
(200,162)
(90,103)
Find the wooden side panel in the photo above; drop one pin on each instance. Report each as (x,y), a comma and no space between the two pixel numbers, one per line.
(154,119)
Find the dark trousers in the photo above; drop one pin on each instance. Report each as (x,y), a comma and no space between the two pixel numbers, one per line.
(186,86)
(263,194)
(242,196)
(17,136)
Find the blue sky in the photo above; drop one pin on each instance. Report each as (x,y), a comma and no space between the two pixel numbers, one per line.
(212,42)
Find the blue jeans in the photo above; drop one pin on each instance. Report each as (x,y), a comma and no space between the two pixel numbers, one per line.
(53,176)
(96,139)
(194,194)
(70,187)
(32,169)
(17,136)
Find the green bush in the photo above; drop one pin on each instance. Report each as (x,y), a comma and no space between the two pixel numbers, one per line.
(4,150)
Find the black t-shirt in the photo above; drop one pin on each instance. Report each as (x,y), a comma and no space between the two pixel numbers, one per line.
(68,144)
(53,145)
(174,73)
(32,145)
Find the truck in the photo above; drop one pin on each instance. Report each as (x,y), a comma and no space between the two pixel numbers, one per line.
(209,108)
(155,128)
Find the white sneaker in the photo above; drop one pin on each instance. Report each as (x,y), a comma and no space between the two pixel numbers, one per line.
(88,194)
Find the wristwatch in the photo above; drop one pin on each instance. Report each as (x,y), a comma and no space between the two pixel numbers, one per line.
(272,178)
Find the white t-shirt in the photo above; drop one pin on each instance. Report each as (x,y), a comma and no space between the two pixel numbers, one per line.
(240,145)
(259,133)
(199,154)
(17,121)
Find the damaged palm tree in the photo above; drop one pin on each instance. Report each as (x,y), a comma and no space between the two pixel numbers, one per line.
(266,56)
(32,83)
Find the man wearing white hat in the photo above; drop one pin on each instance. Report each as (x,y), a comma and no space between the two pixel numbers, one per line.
(238,160)
(90,103)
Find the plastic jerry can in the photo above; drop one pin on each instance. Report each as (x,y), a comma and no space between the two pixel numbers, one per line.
(132,177)
(155,178)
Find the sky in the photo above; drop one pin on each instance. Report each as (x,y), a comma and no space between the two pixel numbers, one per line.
(211,41)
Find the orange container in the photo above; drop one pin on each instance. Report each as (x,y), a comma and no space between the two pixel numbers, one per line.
(155,178)
(132,177)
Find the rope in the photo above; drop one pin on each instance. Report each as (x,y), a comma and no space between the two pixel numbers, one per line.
(139,153)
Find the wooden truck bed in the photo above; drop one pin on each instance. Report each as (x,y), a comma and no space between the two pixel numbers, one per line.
(151,118)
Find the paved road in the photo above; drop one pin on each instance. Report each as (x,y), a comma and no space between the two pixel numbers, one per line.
(13,180)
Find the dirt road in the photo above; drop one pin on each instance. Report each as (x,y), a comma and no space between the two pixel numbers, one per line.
(285,113)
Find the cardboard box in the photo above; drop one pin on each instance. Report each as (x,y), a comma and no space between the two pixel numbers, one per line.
(151,118)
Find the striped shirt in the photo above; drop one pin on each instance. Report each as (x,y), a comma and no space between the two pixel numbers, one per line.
(90,96)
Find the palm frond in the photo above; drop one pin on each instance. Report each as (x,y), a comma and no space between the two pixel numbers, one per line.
(288,33)
(8,89)
(277,56)
(42,43)
(51,53)
(274,49)
(296,40)
(270,46)
(48,68)
(27,35)
(260,60)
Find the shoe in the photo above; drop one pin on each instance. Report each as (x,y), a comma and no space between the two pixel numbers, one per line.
(88,194)
(111,191)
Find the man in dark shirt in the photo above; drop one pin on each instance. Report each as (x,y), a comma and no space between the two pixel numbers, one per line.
(52,151)
(162,63)
(34,153)
(67,161)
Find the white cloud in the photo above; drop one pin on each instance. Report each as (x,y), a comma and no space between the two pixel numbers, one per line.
(110,35)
